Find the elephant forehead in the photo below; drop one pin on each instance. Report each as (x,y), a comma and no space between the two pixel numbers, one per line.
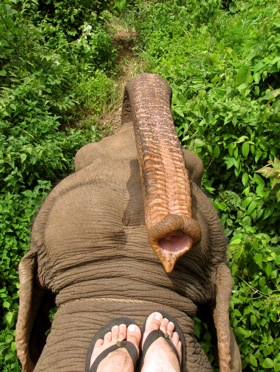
(91,218)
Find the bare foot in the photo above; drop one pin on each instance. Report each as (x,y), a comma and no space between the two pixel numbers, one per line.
(160,357)
(118,360)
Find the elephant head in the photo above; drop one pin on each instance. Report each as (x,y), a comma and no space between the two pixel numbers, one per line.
(91,243)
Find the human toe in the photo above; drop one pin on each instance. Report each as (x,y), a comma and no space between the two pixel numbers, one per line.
(107,337)
(119,332)
(134,335)
(153,322)
(167,327)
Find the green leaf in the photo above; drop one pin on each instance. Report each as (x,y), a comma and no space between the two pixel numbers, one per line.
(276,24)
(272,94)
(245,149)
(236,240)
(253,319)
(243,332)
(253,205)
(216,152)
(242,76)
(230,162)
(258,258)
(247,201)
(268,363)
(23,157)
(268,270)
(6,304)
(210,149)
(245,178)
(9,338)
(241,139)
(9,317)
(253,360)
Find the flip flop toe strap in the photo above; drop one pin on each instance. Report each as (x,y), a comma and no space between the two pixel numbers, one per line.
(129,346)
(152,337)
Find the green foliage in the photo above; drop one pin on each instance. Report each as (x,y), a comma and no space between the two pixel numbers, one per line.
(55,67)
(68,17)
(272,171)
(255,263)
(255,260)
(17,211)
(222,60)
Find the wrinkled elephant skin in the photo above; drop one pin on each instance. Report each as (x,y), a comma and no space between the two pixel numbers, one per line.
(97,255)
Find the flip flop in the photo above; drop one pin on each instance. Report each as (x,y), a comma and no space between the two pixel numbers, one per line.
(129,346)
(154,335)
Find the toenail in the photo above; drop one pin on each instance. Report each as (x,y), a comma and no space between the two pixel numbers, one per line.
(158,316)
(132,327)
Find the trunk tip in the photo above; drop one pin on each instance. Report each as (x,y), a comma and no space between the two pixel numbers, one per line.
(171,247)
(172,237)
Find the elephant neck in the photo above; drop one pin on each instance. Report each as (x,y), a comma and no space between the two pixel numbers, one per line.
(107,290)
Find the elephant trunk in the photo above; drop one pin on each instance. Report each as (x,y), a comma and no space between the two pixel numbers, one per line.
(167,196)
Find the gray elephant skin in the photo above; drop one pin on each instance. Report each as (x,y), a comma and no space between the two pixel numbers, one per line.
(104,244)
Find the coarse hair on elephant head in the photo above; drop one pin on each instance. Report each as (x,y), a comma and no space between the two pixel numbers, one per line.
(91,243)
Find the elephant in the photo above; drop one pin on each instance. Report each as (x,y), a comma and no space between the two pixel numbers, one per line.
(128,233)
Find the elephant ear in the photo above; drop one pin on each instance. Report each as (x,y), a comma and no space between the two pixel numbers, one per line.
(194,166)
(33,321)
(229,356)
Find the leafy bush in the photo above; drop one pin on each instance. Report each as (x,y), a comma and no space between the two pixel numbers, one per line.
(51,80)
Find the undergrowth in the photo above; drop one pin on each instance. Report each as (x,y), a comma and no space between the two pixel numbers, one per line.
(56,68)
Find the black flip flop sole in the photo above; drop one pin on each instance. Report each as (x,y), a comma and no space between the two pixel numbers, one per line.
(100,335)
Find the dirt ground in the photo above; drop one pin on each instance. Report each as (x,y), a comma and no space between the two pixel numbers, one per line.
(129,65)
